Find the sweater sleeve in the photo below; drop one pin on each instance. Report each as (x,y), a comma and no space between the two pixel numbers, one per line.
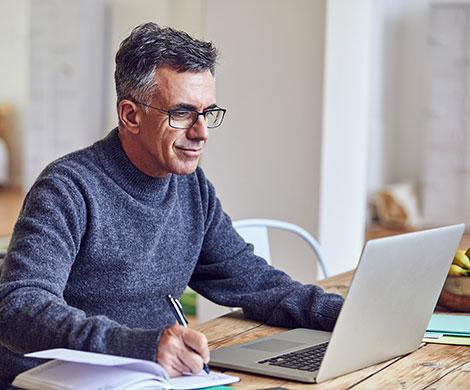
(33,312)
(230,274)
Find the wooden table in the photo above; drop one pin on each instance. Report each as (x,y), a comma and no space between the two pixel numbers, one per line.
(432,366)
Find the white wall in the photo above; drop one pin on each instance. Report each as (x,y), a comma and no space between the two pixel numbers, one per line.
(264,160)
(398,91)
(345,131)
(65,107)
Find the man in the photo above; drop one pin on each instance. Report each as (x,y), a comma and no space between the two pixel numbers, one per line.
(107,232)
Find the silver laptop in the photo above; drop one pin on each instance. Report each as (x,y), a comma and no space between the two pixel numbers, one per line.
(388,307)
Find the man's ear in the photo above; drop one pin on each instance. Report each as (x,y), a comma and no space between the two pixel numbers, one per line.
(129,115)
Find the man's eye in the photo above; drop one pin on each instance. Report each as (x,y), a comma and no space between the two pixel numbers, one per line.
(179,115)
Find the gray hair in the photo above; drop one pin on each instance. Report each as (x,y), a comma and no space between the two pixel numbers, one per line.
(149,47)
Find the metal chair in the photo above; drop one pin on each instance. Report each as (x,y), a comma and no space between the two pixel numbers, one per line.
(255,231)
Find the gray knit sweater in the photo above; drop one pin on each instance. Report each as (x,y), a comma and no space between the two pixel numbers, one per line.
(98,246)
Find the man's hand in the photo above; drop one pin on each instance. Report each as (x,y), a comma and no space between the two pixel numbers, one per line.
(182,350)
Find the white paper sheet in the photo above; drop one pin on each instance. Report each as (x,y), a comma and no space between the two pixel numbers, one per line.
(100,359)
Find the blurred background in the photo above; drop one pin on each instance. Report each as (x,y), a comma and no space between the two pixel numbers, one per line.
(350,119)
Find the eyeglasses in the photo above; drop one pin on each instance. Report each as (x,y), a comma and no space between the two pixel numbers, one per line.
(179,118)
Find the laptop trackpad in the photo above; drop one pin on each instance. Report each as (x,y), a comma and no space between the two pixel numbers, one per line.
(272,345)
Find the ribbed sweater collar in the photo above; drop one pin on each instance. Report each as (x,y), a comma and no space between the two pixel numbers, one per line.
(118,166)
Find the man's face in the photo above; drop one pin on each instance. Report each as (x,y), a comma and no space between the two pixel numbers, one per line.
(167,150)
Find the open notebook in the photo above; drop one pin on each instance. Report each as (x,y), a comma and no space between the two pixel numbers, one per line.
(78,370)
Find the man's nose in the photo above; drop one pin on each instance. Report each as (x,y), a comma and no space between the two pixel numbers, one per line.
(198,130)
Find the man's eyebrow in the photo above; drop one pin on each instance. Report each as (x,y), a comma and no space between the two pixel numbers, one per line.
(185,106)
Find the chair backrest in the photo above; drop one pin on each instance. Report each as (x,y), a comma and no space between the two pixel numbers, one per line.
(255,231)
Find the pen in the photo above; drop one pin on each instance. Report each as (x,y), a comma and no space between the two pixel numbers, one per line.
(178,312)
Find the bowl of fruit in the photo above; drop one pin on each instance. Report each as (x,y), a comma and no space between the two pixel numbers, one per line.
(456,291)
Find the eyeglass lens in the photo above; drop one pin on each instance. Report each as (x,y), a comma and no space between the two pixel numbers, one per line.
(186,119)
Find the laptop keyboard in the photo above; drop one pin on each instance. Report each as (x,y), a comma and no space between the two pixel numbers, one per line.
(307,359)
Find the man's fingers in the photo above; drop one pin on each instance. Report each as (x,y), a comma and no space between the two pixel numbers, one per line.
(172,371)
(184,361)
(169,361)
(193,361)
(182,350)
(197,342)
(182,367)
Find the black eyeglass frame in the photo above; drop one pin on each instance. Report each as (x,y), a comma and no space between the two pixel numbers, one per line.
(203,113)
